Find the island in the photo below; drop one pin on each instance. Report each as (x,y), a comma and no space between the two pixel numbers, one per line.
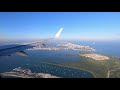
(98,57)
(75,46)
(26,73)
(65,46)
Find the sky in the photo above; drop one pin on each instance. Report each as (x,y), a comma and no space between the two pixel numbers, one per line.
(76,25)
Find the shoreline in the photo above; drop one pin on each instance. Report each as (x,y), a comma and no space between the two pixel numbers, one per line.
(26,73)
(97,57)
(65,46)
(67,66)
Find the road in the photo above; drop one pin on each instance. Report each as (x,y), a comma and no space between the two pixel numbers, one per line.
(109,71)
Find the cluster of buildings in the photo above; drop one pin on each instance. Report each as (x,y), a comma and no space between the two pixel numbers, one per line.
(46,48)
(26,73)
(74,46)
(95,56)
(66,47)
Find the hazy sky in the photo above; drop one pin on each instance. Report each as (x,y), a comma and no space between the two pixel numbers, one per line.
(76,25)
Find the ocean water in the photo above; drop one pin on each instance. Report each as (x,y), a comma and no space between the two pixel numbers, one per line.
(36,57)
(102,47)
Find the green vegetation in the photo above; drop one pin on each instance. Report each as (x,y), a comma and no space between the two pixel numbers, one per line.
(98,68)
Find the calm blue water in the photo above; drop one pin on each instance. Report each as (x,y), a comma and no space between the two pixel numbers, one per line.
(7,63)
(103,47)
(58,70)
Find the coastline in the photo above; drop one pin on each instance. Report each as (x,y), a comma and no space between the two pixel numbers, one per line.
(26,73)
(64,46)
(67,66)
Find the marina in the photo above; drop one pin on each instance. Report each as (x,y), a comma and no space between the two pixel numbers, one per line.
(59,71)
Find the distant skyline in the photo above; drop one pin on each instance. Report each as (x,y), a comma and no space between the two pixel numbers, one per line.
(76,25)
